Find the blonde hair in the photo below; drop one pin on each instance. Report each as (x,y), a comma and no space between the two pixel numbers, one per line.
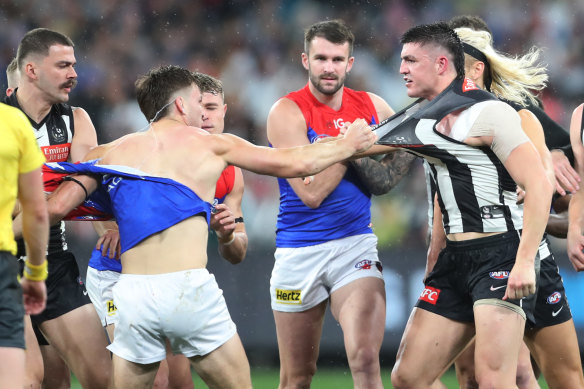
(12,74)
(513,78)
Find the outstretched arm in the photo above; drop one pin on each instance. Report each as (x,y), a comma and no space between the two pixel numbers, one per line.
(297,161)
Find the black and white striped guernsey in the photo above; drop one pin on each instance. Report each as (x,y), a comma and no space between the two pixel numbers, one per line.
(54,135)
(475,191)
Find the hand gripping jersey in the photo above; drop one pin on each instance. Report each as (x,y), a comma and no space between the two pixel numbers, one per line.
(142,205)
(475,191)
(54,135)
(347,209)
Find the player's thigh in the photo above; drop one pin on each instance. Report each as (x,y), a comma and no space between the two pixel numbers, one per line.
(34,368)
(57,374)
(359,307)
(299,336)
(129,375)
(555,348)
(179,370)
(81,340)
(225,367)
(499,335)
(11,367)
(429,345)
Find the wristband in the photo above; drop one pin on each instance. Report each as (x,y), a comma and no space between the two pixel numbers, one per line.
(35,272)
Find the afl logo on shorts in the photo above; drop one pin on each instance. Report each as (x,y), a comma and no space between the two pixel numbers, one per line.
(364,264)
(430,295)
(367,264)
(554,298)
(499,275)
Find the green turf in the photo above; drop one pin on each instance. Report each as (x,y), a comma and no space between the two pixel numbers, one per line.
(267,378)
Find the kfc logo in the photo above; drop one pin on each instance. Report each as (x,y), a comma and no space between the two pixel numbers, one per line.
(430,295)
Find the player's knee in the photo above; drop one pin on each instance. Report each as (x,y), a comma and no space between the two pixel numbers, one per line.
(403,378)
(299,378)
(364,359)
(465,375)
(525,375)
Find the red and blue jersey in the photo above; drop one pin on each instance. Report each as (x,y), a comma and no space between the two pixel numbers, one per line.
(347,210)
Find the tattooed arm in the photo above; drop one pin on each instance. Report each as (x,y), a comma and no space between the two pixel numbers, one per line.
(380,177)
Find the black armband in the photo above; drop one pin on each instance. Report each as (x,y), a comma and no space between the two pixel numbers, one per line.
(69,178)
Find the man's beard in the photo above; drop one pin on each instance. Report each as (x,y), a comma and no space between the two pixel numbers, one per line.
(315,80)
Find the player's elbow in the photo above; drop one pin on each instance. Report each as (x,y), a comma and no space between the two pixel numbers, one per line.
(57,210)
(235,259)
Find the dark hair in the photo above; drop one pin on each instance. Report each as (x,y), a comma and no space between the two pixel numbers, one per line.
(154,89)
(469,21)
(39,41)
(209,84)
(334,31)
(438,34)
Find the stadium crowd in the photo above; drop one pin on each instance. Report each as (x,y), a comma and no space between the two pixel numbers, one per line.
(253,46)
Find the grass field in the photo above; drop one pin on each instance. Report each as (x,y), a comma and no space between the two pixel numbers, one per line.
(267,378)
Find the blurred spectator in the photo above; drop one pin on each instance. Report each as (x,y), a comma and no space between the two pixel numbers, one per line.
(252,46)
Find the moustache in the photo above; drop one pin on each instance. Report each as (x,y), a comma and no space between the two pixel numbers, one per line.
(329,76)
(69,84)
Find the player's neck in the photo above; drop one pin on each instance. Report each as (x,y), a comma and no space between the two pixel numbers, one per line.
(334,101)
(31,101)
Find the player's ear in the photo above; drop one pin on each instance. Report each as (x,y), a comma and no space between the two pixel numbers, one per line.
(350,64)
(180,104)
(305,60)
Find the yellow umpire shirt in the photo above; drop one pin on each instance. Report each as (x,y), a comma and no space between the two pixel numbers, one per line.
(19,154)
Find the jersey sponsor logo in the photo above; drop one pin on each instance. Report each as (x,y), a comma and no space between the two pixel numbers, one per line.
(56,153)
(469,84)
(499,275)
(285,296)
(430,295)
(110,307)
(554,298)
(339,123)
(494,288)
